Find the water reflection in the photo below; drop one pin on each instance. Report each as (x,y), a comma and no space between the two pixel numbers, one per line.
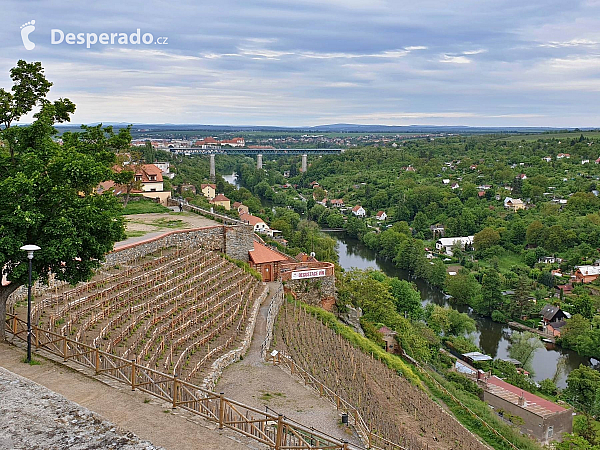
(232,179)
(493,338)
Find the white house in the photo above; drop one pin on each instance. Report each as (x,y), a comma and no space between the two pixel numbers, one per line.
(359,211)
(259,225)
(454,186)
(381,215)
(446,181)
(445,245)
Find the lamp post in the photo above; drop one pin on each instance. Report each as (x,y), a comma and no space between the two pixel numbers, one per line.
(29,249)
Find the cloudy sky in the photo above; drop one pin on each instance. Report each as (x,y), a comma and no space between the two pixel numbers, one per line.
(311,62)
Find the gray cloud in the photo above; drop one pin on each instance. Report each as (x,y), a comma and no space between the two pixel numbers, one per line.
(307,62)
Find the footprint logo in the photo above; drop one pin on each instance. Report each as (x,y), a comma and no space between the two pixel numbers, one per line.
(26,30)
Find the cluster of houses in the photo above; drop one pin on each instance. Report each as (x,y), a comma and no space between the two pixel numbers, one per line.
(150,182)
(210,142)
(210,192)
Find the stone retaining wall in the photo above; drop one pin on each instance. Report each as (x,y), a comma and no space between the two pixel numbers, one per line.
(312,290)
(274,307)
(235,241)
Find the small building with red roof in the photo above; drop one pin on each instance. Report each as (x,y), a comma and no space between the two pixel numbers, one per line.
(266,261)
(257,223)
(221,200)
(209,190)
(543,420)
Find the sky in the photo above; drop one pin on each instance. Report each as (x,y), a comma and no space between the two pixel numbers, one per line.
(314,62)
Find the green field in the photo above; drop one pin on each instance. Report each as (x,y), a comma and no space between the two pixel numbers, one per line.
(560,136)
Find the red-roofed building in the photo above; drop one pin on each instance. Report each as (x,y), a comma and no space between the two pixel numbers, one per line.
(151,183)
(257,223)
(381,215)
(209,190)
(359,211)
(266,261)
(221,200)
(235,142)
(542,419)
(207,142)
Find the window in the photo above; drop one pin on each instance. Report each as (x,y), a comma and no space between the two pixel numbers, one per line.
(138,178)
(550,431)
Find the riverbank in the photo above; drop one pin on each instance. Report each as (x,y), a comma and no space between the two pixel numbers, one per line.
(491,337)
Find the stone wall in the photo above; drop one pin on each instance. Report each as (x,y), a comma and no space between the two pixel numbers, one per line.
(312,290)
(274,307)
(235,241)
(238,241)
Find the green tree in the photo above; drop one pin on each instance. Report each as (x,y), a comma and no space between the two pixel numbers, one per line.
(438,274)
(523,346)
(583,384)
(535,233)
(491,292)
(47,192)
(462,287)
(486,238)
(406,297)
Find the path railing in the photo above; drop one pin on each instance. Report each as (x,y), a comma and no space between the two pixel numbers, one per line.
(371,439)
(275,431)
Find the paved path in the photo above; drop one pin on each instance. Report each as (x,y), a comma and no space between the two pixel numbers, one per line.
(258,384)
(149,418)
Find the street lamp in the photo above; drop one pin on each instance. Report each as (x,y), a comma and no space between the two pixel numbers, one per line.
(29,249)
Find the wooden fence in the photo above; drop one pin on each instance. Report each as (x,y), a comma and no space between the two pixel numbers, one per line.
(371,439)
(275,431)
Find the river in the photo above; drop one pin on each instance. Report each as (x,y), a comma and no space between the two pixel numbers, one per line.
(491,337)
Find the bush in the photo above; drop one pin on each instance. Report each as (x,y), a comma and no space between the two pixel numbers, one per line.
(548,387)
(499,316)
(462,382)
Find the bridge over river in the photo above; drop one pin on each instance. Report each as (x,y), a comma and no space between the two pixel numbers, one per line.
(259,152)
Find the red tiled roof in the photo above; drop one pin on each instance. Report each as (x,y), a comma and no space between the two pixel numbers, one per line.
(202,186)
(219,198)
(252,220)
(380,213)
(533,403)
(263,254)
(356,208)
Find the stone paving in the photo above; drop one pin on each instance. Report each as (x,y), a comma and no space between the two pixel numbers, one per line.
(35,417)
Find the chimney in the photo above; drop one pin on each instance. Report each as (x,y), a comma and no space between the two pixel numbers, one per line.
(522,399)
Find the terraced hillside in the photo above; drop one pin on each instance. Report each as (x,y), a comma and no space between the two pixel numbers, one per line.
(390,404)
(175,310)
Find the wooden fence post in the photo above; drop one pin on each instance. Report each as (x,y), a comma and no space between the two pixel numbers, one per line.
(279,437)
(345,445)
(97,362)
(65,349)
(37,337)
(14,324)
(221,410)
(175,391)
(133,374)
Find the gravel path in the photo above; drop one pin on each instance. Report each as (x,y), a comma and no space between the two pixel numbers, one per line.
(258,384)
(35,417)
